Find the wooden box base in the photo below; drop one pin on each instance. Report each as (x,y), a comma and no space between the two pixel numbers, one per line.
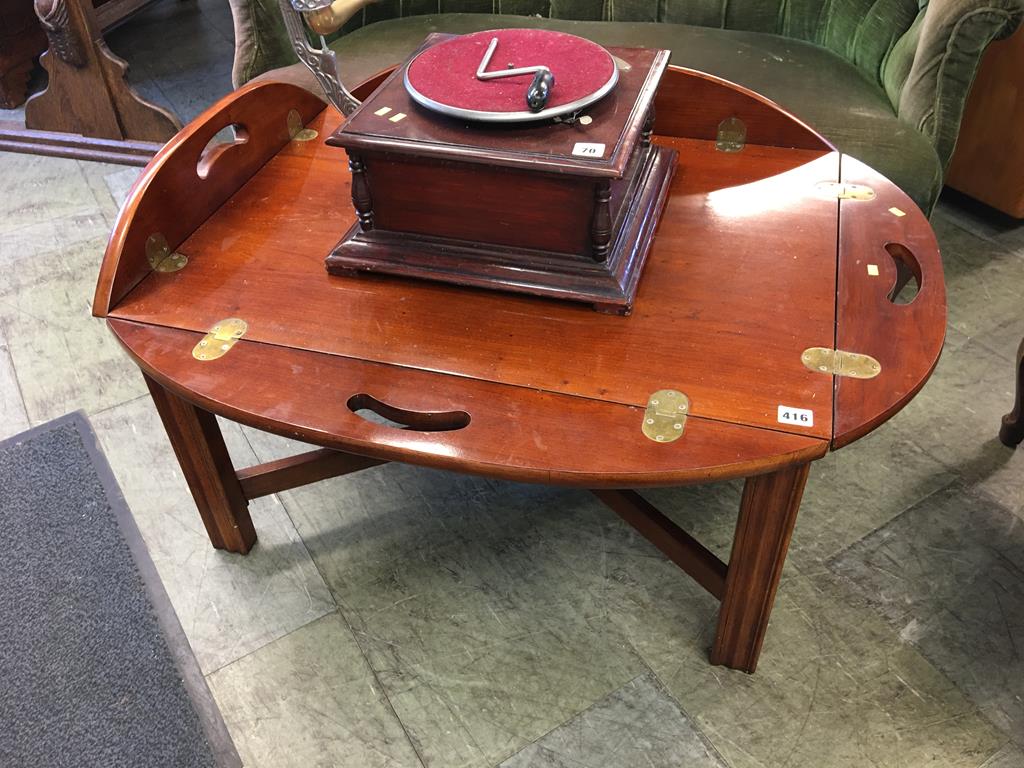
(609,285)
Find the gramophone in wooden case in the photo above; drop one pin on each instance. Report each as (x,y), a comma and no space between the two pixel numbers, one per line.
(515,159)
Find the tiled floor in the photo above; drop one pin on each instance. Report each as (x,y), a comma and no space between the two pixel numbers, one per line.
(407,617)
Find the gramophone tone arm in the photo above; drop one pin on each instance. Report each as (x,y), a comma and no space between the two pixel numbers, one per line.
(323,17)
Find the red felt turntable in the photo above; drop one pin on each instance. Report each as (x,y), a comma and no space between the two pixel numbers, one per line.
(486,76)
(518,160)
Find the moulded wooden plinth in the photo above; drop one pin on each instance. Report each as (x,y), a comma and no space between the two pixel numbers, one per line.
(610,285)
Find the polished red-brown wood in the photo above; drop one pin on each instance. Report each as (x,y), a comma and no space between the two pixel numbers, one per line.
(203,456)
(755,261)
(182,188)
(693,104)
(513,432)
(303,469)
(890,233)
(765,524)
(736,300)
(675,543)
(549,235)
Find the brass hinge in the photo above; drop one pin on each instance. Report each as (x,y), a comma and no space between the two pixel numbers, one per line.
(732,135)
(159,256)
(220,339)
(841,191)
(838,362)
(296,131)
(665,416)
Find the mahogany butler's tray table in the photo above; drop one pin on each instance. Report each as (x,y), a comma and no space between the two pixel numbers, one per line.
(767,261)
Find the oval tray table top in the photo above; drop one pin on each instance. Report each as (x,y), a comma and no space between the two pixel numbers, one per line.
(761,255)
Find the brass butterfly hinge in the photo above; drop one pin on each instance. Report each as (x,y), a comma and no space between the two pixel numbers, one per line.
(840,191)
(732,135)
(296,131)
(838,362)
(160,257)
(665,416)
(220,339)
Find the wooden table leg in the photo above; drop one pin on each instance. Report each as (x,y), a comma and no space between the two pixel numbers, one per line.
(211,477)
(767,516)
(1012,431)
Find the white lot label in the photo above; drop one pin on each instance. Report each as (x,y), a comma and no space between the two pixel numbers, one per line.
(801,417)
(583,149)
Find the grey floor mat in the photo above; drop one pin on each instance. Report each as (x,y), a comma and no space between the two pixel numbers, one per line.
(95,668)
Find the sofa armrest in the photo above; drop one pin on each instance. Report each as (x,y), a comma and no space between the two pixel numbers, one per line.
(951,38)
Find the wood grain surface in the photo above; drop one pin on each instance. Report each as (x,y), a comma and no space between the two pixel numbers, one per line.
(723,311)
(513,433)
(741,279)
(905,338)
(171,197)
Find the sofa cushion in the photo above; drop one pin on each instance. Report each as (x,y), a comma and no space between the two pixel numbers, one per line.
(814,84)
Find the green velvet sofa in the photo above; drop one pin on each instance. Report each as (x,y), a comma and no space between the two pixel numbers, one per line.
(884,80)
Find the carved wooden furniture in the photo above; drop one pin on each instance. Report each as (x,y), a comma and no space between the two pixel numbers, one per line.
(771,325)
(988,163)
(87,111)
(21,41)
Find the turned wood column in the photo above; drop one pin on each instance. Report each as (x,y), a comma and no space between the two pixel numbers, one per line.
(601,225)
(361,198)
(648,130)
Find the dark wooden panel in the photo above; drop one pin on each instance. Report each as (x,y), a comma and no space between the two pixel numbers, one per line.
(513,432)
(21,41)
(905,338)
(490,204)
(204,460)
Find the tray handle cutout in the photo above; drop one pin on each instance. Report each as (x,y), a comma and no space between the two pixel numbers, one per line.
(232,135)
(373,410)
(908,274)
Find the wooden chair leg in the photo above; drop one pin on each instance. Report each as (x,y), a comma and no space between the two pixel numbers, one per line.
(1012,431)
(767,516)
(211,477)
